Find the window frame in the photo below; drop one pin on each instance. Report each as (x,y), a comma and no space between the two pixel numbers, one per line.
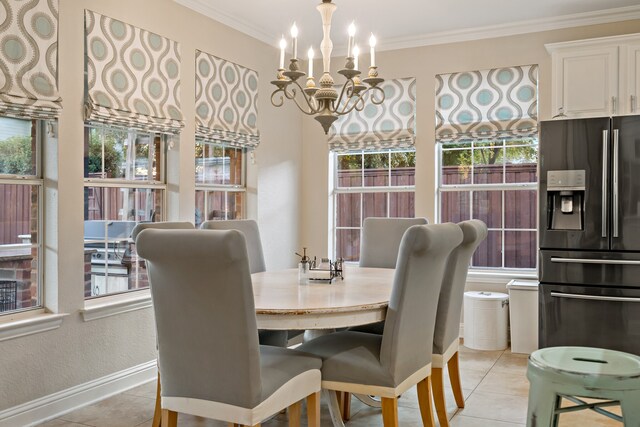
(166,141)
(36,180)
(336,190)
(224,188)
(502,187)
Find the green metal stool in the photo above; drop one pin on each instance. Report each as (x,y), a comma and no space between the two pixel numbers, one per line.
(574,372)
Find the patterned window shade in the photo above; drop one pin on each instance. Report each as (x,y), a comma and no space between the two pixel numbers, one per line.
(29,59)
(390,125)
(226,102)
(133,76)
(487,104)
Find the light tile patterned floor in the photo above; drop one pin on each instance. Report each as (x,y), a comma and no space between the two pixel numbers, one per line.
(494,384)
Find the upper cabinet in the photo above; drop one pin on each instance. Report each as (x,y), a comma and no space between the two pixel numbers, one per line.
(596,77)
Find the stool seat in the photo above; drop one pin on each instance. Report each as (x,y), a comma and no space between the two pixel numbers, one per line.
(573,372)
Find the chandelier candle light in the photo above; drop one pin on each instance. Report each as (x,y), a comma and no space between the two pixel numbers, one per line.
(325,103)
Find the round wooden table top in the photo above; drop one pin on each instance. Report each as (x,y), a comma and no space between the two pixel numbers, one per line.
(360,298)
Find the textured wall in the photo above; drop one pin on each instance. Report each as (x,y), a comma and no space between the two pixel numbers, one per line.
(38,365)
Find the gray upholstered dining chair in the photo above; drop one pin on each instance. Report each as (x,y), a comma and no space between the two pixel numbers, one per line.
(381,238)
(251,232)
(166,225)
(211,363)
(387,365)
(446,337)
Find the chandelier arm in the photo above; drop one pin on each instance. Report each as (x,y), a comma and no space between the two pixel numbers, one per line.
(313,109)
(360,98)
(280,102)
(348,84)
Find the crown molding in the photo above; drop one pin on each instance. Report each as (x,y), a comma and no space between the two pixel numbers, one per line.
(443,37)
(514,28)
(235,22)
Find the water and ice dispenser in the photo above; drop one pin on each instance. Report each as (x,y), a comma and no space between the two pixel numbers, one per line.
(565,199)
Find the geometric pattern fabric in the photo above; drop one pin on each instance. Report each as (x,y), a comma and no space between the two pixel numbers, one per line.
(133,76)
(487,104)
(29,59)
(389,125)
(226,102)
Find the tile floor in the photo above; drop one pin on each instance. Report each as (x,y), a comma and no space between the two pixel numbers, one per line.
(494,384)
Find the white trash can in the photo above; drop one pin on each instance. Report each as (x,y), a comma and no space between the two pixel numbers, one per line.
(485,320)
(523,314)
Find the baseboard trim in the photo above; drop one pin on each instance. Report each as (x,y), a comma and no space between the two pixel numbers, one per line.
(52,406)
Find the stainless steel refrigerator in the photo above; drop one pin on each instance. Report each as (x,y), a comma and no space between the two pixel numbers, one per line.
(589,233)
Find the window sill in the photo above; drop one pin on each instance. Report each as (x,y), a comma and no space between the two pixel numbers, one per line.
(116,304)
(28,323)
(500,277)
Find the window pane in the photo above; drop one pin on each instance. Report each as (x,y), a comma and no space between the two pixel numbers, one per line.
(376,170)
(520,249)
(349,170)
(200,209)
(456,167)
(455,206)
(235,205)
(18,214)
(348,210)
(487,167)
(235,166)
(374,204)
(215,205)
(348,244)
(111,262)
(105,152)
(147,152)
(19,279)
(402,205)
(521,164)
(521,209)
(487,206)
(17,147)
(403,168)
(489,253)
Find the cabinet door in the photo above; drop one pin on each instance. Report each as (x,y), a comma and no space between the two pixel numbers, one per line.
(633,79)
(586,82)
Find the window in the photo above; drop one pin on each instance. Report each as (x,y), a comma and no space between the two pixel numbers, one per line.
(494,181)
(20,215)
(369,184)
(220,182)
(124,185)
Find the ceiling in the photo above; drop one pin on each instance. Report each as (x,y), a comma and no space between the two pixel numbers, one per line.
(409,23)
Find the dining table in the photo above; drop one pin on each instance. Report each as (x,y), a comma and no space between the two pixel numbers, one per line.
(283,302)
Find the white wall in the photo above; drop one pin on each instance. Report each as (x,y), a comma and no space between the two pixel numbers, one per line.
(77,352)
(424,63)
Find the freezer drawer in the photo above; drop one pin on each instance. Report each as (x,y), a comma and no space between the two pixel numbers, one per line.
(590,316)
(607,269)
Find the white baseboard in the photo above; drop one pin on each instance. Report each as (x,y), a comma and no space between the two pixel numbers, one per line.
(52,406)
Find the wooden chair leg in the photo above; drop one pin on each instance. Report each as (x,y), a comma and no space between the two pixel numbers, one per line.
(424,400)
(313,410)
(437,384)
(169,418)
(157,412)
(295,411)
(390,411)
(346,406)
(454,375)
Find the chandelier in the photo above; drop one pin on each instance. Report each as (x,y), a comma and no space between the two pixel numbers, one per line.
(327,103)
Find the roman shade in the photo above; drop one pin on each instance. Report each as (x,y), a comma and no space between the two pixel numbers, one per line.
(226,102)
(29,59)
(487,104)
(389,125)
(132,76)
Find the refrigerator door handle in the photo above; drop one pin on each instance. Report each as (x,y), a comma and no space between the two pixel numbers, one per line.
(605,178)
(594,297)
(616,172)
(595,261)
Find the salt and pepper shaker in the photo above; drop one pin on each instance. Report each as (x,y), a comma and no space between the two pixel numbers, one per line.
(303,267)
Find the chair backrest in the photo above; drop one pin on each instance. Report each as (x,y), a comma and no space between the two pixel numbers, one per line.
(205,316)
(381,238)
(408,329)
(252,235)
(165,225)
(453,284)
